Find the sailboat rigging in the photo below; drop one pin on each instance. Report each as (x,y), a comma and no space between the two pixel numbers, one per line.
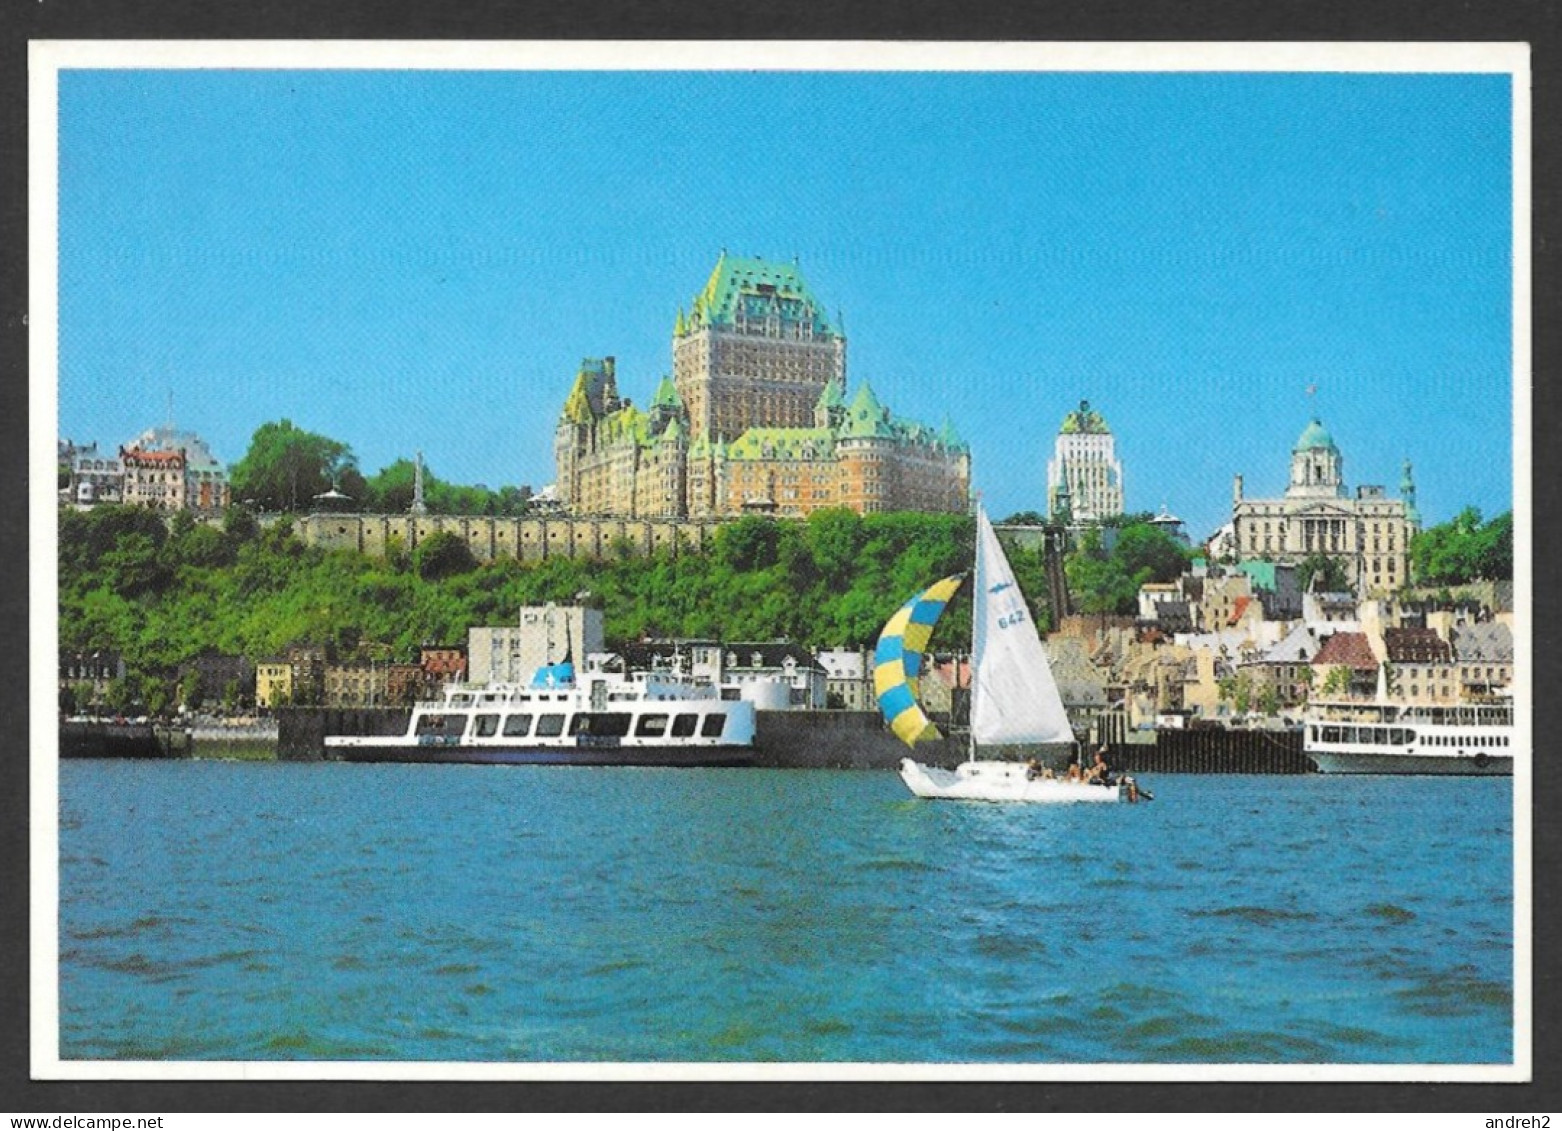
(1014,697)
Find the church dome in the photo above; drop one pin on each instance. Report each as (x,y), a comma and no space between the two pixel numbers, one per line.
(1315,435)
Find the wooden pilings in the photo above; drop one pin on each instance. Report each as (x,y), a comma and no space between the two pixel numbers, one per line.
(1214,752)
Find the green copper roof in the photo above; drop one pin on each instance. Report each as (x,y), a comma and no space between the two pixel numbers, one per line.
(674,433)
(1262,574)
(577,406)
(831,397)
(1085,420)
(950,438)
(783,444)
(1315,435)
(667,395)
(628,423)
(757,288)
(866,418)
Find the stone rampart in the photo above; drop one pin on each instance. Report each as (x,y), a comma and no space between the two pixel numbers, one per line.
(492,538)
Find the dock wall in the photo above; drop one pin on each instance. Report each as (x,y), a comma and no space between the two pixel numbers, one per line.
(1214,752)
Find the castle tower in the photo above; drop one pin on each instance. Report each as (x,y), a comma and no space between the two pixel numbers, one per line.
(755,351)
(866,443)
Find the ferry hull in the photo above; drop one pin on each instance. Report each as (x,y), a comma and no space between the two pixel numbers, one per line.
(1348,763)
(670,756)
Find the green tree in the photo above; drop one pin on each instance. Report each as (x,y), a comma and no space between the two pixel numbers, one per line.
(191,692)
(1025,518)
(442,555)
(286,467)
(1329,572)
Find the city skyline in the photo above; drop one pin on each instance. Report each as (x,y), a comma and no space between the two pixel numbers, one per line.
(407,260)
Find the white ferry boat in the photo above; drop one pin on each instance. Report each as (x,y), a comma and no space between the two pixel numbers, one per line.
(657,718)
(1397,738)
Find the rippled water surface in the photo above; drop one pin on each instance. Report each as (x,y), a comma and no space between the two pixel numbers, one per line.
(322,911)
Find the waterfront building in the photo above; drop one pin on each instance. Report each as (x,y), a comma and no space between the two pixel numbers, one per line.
(1421,667)
(439,664)
(219,676)
(1368,533)
(357,685)
(756,417)
(776,675)
(1084,475)
(87,675)
(1285,668)
(1352,652)
(273,682)
(308,662)
(1484,653)
(541,635)
(848,678)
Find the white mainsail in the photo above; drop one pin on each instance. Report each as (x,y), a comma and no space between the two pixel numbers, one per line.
(1014,699)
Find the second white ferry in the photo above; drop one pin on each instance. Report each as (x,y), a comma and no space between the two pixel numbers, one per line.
(1398,738)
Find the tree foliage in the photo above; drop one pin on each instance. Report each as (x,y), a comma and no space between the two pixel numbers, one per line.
(286,467)
(160,597)
(1329,573)
(1106,581)
(391,492)
(1464,549)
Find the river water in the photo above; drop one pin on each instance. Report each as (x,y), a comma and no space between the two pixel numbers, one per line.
(248,911)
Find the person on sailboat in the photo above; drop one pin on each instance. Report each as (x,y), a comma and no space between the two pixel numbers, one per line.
(1100,773)
(1073,767)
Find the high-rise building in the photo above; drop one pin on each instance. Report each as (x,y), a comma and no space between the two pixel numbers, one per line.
(755,417)
(1368,533)
(1084,475)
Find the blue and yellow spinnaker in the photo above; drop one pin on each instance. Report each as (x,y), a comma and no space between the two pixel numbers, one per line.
(897,661)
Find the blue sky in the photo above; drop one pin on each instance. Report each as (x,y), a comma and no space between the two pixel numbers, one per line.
(419,260)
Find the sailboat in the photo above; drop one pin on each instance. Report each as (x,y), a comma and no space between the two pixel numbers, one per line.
(1014,698)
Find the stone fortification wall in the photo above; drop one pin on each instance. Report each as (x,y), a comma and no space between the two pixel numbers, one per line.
(492,539)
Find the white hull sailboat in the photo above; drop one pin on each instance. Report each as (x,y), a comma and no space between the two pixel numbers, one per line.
(1014,698)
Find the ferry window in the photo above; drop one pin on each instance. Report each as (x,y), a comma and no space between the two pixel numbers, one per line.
(487,726)
(604,724)
(713,725)
(1331,734)
(441,724)
(652,726)
(517,726)
(684,725)
(550,726)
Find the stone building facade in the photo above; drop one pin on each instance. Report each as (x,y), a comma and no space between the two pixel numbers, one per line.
(1368,533)
(755,418)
